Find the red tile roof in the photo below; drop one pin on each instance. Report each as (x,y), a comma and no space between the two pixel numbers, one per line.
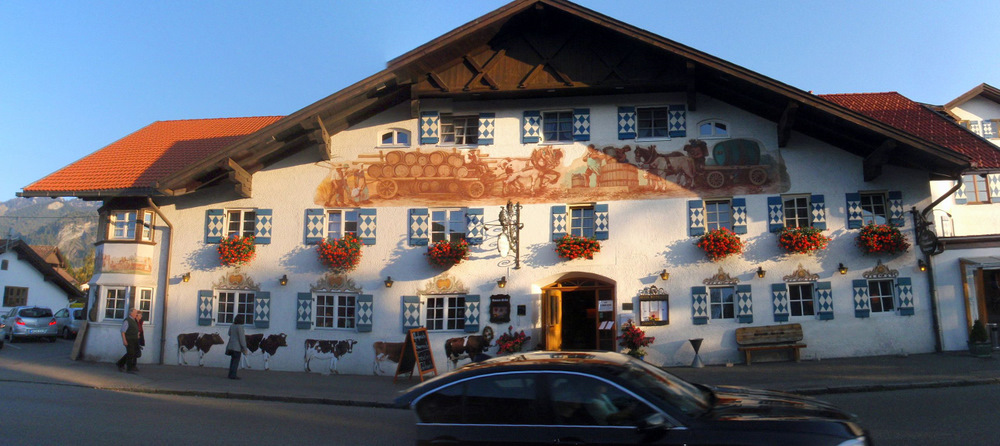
(898,111)
(150,154)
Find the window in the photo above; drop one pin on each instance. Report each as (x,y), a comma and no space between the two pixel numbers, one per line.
(459,130)
(14,296)
(507,399)
(557,126)
(341,222)
(3,264)
(722,302)
(718,215)
(446,313)
(873,209)
(976,189)
(147,226)
(233,303)
(240,222)
(796,211)
(448,225)
(335,310)
(115,302)
(713,129)
(880,293)
(581,221)
(122,225)
(653,122)
(800,299)
(395,138)
(144,303)
(603,404)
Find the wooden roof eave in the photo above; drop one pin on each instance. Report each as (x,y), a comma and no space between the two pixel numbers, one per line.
(92,195)
(986,90)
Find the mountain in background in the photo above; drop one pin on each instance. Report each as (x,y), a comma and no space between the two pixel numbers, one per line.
(69,224)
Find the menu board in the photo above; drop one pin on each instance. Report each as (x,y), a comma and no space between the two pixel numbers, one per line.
(416,352)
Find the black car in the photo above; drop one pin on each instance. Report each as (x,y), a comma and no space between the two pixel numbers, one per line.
(610,398)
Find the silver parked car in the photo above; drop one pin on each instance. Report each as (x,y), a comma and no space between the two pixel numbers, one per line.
(68,321)
(30,322)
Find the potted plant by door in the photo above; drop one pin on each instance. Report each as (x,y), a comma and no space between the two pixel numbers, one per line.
(979,341)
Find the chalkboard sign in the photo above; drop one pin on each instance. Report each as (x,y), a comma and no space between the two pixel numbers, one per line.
(416,352)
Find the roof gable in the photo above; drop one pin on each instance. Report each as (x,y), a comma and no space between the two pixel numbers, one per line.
(30,254)
(984,90)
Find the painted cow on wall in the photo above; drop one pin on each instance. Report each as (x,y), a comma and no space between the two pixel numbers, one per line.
(321,349)
(265,346)
(468,347)
(202,342)
(391,351)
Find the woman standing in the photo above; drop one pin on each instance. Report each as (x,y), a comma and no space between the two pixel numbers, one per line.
(237,345)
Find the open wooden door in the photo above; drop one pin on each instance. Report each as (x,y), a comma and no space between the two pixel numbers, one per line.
(552,317)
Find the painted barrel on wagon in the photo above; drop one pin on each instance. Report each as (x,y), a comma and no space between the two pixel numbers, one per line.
(736,152)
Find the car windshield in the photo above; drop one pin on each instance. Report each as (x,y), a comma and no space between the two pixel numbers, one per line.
(35,312)
(687,397)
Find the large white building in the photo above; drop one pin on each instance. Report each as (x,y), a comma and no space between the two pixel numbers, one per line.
(595,128)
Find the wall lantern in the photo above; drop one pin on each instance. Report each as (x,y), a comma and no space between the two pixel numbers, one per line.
(283,280)
(842,269)
(502,282)
(664,275)
(388,281)
(186,277)
(921,265)
(761,272)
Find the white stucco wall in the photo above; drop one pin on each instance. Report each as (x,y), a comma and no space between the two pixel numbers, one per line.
(647,236)
(20,273)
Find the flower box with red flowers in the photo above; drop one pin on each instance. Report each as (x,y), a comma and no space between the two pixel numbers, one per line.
(720,243)
(511,342)
(633,340)
(574,247)
(340,255)
(881,239)
(802,240)
(445,254)
(236,250)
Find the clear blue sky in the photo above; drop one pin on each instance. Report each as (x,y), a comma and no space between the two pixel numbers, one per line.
(77,75)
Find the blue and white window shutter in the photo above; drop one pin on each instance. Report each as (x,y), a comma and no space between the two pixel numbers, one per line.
(303,311)
(896,211)
(476,226)
(779,297)
(560,222)
(430,122)
(215,225)
(364,313)
(699,305)
(697,220)
(315,225)
(531,127)
(487,128)
(410,313)
(862,301)
(776,212)
(262,309)
(678,121)
(602,221)
(262,226)
(626,122)
(993,183)
(581,124)
(744,304)
(420,227)
(824,300)
(904,291)
(367,225)
(206,305)
(472,313)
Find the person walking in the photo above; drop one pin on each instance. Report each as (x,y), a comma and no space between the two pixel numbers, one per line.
(237,345)
(130,338)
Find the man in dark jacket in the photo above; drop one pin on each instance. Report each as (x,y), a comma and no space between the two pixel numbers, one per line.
(130,337)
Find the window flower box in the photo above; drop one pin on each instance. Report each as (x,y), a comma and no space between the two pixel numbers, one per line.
(445,254)
(881,239)
(802,240)
(574,247)
(340,255)
(236,250)
(720,243)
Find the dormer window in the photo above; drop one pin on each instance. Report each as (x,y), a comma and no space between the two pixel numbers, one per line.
(395,138)
(130,225)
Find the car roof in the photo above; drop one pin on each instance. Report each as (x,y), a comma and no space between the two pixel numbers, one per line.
(596,362)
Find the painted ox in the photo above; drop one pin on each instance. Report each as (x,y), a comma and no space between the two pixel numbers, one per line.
(619,154)
(673,163)
(202,342)
(468,347)
(391,351)
(518,175)
(265,346)
(321,349)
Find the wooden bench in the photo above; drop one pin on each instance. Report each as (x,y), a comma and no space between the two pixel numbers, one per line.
(770,337)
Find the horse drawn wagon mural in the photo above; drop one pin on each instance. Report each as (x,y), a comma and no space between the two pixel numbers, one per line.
(554,173)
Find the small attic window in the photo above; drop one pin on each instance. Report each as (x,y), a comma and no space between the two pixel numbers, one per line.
(395,138)
(713,129)
(3,265)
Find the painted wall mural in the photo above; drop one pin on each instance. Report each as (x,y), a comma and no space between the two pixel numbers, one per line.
(554,173)
(126,265)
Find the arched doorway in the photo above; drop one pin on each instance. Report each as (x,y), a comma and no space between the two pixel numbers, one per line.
(579,314)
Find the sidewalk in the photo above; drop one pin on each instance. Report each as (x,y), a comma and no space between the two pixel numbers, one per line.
(807,377)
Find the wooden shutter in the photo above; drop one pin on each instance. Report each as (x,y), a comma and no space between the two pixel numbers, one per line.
(699,305)
(411,316)
(854,213)
(960,196)
(993,184)
(678,121)
(626,122)
(315,228)
(215,225)
(817,207)
(904,290)
(304,311)
(775,214)
(487,128)
(581,124)
(420,229)
(364,313)
(531,127)
(896,211)
(475,230)
(602,221)
(779,297)
(262,309)
(206,305)
(430,122)
(824,300)
(560,222)
(862,301)
(696,218)
(739,209)
(367,226)
(262,226)
(472,313)
(744,304)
